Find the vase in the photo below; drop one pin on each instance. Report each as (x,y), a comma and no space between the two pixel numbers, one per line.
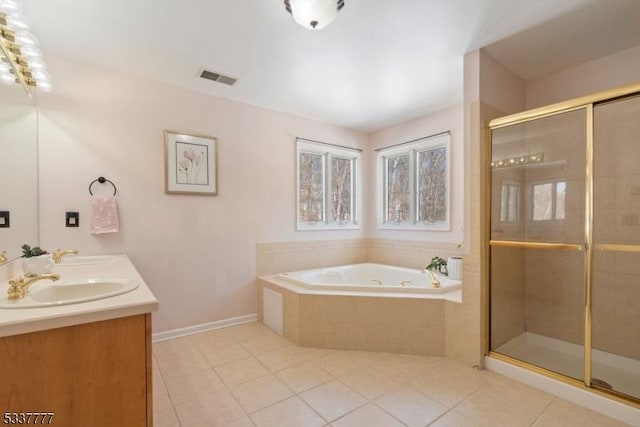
(454,267)
(37,265)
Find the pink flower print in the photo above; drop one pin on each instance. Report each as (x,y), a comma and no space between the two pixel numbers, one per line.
(190,154)
(191,163)
(184,164)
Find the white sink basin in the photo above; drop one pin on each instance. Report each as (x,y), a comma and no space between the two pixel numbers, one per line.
(71,260)
(47,294)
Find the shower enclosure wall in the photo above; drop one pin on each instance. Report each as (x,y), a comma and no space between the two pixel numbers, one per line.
(563,241)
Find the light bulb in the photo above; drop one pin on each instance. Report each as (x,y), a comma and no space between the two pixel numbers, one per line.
(25,38)
(7,78)
(30,52)
(44,85)
(37,64)
(40,75)
(17,22)
(9,6)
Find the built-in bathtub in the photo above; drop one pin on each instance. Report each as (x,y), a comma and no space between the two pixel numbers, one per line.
(369,307)
(371,278)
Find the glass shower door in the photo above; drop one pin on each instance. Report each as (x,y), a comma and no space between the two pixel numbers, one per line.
(615,360)
(537,242)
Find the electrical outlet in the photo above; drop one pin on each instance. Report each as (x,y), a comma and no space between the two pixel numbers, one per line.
(72,219)
(4,219)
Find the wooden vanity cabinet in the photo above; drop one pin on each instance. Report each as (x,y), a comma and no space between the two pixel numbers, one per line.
(92,374)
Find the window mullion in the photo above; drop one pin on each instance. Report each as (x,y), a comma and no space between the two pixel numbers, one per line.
(413,189)
(327,189)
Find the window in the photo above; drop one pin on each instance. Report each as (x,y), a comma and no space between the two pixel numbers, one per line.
(509,202)
(413,179)
(328,186)
(548,201)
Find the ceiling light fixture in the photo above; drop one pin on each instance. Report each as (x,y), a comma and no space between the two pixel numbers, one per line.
(20,58)
(525,159)
(314,14)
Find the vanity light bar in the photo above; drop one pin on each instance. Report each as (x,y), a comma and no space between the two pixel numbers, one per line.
(20,58)
(518,161)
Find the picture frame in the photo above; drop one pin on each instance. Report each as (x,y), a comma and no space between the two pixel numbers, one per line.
(190,164)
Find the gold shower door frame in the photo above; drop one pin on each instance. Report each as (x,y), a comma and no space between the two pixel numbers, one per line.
(584,103)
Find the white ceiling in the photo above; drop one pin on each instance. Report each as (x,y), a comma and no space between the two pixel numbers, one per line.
(380,63)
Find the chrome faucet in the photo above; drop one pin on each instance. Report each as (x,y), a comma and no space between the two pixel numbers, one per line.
(434,282)
(59,253)
(19,286)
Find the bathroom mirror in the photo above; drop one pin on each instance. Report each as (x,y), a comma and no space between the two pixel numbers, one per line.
(18,170)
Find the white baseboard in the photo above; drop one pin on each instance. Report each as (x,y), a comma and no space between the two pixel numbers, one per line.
(190,330)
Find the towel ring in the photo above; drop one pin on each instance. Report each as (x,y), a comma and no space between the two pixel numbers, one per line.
(102,180)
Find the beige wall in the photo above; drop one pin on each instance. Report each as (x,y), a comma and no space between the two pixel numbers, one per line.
(486,83)
(196,253)
(616,69)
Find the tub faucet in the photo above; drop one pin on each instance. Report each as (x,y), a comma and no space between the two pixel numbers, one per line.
(3,257)
(59,253)
(434,282)
(19,286)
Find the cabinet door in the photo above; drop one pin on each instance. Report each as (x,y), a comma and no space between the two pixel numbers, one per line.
(93,374)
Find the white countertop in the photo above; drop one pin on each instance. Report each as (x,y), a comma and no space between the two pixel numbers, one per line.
(139,301)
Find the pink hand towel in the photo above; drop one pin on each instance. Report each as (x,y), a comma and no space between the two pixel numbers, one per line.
(104,214)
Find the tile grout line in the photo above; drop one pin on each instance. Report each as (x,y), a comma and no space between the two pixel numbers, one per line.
(543,410)
(221,380)
(164,385)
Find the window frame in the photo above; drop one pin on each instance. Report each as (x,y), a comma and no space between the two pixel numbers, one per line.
(413,149)
(554,201)
(328,153)
(508,183)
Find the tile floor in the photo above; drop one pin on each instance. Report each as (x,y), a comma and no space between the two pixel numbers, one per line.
(248,375)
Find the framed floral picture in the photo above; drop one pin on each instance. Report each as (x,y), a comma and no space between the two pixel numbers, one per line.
(190,164)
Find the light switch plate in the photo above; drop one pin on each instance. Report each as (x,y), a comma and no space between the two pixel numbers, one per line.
(72,219)
(5,217)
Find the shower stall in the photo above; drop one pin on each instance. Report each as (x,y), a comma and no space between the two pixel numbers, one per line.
(563,241)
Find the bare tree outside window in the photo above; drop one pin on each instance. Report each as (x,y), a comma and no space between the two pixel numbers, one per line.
(328,185)
(413,179)
(341,186)
(398,189)
(311,187)
(432,185)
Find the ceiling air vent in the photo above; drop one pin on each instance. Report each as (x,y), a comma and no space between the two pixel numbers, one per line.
(217,77)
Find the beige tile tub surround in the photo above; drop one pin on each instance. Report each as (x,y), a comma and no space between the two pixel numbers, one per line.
(387,324)
(413,326)
(282,257)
